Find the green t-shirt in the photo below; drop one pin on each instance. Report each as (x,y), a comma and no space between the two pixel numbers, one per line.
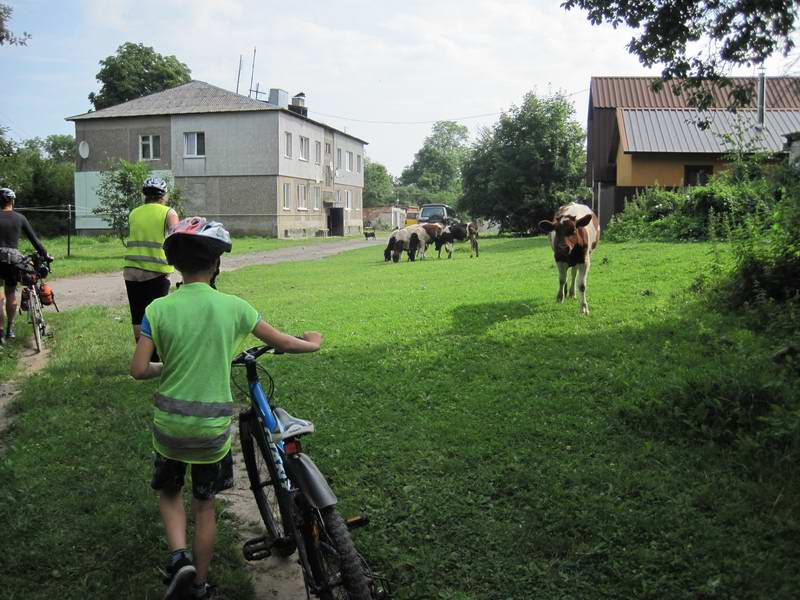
(197,331)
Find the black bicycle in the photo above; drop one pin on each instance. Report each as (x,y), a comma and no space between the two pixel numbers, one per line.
(35,294)
(295,500)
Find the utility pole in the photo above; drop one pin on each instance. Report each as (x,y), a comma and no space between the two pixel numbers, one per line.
(252,72)
(239,74)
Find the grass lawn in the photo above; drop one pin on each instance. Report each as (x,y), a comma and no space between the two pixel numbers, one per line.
(103,254)
(479,424)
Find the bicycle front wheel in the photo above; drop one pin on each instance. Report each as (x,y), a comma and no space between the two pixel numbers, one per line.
(273,501)
(335,564)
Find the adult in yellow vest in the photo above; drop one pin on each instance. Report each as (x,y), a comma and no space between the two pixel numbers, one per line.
(146,271)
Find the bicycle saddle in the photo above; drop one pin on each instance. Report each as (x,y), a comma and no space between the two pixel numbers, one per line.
(292,426)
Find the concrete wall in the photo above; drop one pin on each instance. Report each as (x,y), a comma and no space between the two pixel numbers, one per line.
(296,166)
(244,204)
(237,144)
(642,170)
(347,144)
(112,139)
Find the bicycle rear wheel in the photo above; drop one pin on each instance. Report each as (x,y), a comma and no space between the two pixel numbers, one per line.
(274,501)
(336,565)
(35,316)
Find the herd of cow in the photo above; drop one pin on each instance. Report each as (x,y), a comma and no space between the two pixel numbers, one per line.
(574,233)
(415,239)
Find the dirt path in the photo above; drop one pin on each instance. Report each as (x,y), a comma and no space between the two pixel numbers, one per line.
(108,289)
(28,363)
(273,578)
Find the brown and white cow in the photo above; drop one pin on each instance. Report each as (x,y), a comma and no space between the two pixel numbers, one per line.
(422,235)
(458,233)
(574,233)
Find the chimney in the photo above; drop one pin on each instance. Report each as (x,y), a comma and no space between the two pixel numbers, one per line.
(279,97)
(762,92)
(298,104)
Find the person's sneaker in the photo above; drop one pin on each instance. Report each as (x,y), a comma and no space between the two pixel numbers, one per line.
(10,334)
(181,578)
(203,591)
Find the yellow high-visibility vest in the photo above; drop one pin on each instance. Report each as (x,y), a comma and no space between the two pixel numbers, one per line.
(146,242)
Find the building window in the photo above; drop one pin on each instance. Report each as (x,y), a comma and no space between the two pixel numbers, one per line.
(287,150)
(338,158)
(697,174)
(303,148)
(287,196)
(327,148)
(358,163)
(338,198)
(149,147)
(316,198)
(348,199)
(317,152)
(301,197)
(349,162)
(194,143)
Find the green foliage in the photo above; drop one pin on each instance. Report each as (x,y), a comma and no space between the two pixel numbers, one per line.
(6,36)
(435,173)
(136,70)
(739,33)
(529,163)
(378,185)
(120,191)
(41,172)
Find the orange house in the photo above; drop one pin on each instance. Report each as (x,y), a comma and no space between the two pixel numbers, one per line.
(637,138)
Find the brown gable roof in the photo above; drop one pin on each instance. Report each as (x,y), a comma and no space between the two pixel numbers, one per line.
(635,92)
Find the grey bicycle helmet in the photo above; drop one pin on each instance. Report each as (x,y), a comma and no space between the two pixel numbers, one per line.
(7,195)
(154,186)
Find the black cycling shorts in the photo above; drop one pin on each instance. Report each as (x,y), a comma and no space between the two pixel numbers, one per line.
(9,274)
(207,479)
(142,293)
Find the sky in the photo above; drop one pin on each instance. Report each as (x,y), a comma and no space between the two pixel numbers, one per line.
(382,71)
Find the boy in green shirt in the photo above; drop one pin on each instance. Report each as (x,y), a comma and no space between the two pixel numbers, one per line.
(196,331)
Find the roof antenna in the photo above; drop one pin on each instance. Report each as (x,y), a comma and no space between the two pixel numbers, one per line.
(239,75)
(252,71)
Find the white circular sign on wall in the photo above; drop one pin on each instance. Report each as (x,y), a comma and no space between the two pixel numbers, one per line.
(83,149)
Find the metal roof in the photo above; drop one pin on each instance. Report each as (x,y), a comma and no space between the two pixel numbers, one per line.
(192,97)
(635,92)
(677,131)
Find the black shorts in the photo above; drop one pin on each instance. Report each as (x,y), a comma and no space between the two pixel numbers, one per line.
(207,480)
(142,293)
(9,274)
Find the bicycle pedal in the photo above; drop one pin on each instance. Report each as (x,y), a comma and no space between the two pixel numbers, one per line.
(257,548)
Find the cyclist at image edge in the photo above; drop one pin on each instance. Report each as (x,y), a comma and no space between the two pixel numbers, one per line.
(146,270)
(197,331)
(12,224)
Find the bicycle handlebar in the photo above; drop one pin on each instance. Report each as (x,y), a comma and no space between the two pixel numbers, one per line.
(256,352)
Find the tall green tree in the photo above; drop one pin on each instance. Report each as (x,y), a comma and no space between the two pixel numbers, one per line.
(378,185)
(136,70)
(42,178)
(731,33)
(7,37)
(435,173)
(529,163)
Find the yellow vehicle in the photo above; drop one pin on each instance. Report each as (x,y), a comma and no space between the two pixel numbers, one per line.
(412,212)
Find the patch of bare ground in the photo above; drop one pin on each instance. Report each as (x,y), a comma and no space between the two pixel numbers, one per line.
(29,363)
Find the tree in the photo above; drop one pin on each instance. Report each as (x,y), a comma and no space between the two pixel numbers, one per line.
(120,191)
(378,185)
(135,71)
(737,32)
(529,163)
(436,171)
(6,36)
(60,147)
(41,178)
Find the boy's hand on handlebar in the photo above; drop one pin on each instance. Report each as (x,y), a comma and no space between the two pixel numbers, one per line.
(313,337)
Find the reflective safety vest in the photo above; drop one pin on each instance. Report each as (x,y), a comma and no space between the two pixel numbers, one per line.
(145,244)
